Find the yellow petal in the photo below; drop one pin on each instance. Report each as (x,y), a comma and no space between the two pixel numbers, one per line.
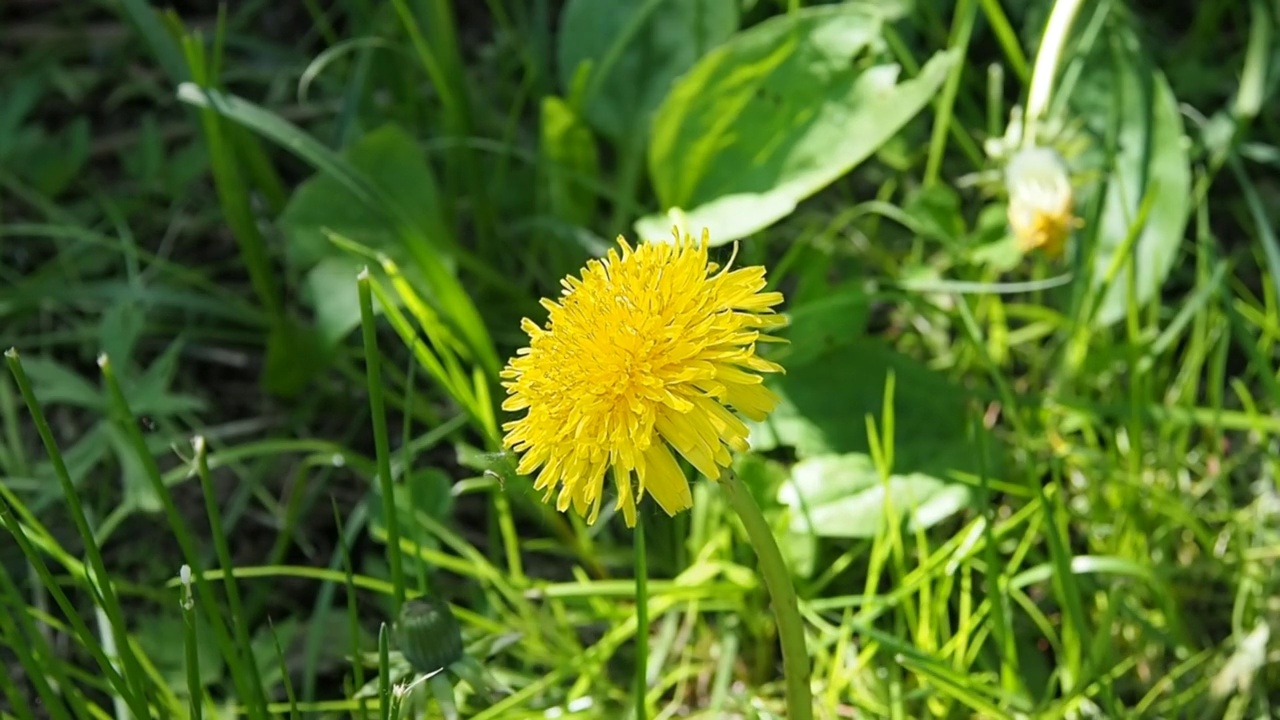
(661,478)
(626,496)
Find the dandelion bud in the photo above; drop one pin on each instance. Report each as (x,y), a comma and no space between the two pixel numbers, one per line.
(428,635)
(1041,205)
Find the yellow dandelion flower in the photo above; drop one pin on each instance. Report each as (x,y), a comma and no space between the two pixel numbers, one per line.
(643,354)
(1041,204)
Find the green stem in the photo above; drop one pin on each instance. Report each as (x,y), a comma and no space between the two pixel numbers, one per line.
(1045,70)
(32,651)
(195,688)
(240,629)
(244,673)
(381,444)
(962,29)
(642,620)
(384,672)
(786,609)
(130,671)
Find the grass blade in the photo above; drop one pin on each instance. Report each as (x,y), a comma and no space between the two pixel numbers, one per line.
(426,247)
(102,586)
(373,361)
(248,690)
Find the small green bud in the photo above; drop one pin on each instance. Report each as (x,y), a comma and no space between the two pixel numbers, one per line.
(428,635)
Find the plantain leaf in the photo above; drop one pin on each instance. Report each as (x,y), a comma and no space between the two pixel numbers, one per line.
(776,114)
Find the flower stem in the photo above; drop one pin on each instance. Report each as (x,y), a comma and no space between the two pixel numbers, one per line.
(381,444)
(1044,72)
(786,609)
(642,619)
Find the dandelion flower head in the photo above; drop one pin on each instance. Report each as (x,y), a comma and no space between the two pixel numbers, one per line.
(645,356)
(1041,204)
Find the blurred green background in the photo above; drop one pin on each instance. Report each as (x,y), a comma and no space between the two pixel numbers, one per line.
(1011,480)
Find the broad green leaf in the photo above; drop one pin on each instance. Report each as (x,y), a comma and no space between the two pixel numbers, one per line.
(83,456)
(764,477)
(56,384)
(427,492)
(138,492)
(843,496)
(330,287)
(1122,96)
(775,115)
(635,49)
(396,166)
(992,245)
(835,320)
(826,398)
(570,151)
(151,392)
(936,214)
(835,379)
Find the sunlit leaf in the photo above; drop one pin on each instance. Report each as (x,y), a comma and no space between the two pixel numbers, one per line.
(571,153)
(844,496)
(635,49)
(836,378)
(1126,100)
(776,114)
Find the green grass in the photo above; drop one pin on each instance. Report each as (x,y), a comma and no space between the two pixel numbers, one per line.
(257,333)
